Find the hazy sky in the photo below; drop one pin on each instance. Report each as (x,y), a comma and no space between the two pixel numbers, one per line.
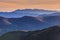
(8,5)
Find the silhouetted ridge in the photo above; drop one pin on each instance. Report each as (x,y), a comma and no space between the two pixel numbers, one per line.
(51,33)
(52,28)
(25,17)
(33,10)
(29,18)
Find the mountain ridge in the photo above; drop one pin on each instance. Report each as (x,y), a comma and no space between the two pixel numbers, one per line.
(51,33)
(26,12)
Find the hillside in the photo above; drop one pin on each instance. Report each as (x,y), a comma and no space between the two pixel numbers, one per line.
(51,33)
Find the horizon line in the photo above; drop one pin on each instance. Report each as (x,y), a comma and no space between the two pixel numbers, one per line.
(30,9)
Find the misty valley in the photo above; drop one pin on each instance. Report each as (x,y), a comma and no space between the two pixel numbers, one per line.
(30,24)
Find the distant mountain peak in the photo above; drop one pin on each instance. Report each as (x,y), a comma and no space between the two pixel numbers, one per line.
(37,18)
(33,10)
(27,17)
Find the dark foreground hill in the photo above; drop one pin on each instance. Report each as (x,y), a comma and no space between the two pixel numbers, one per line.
(52,33)
(16,35)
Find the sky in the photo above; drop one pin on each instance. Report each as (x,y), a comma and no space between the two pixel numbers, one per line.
(10,5)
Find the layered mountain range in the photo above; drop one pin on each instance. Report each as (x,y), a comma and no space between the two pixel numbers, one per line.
(28,20)
(25,12)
